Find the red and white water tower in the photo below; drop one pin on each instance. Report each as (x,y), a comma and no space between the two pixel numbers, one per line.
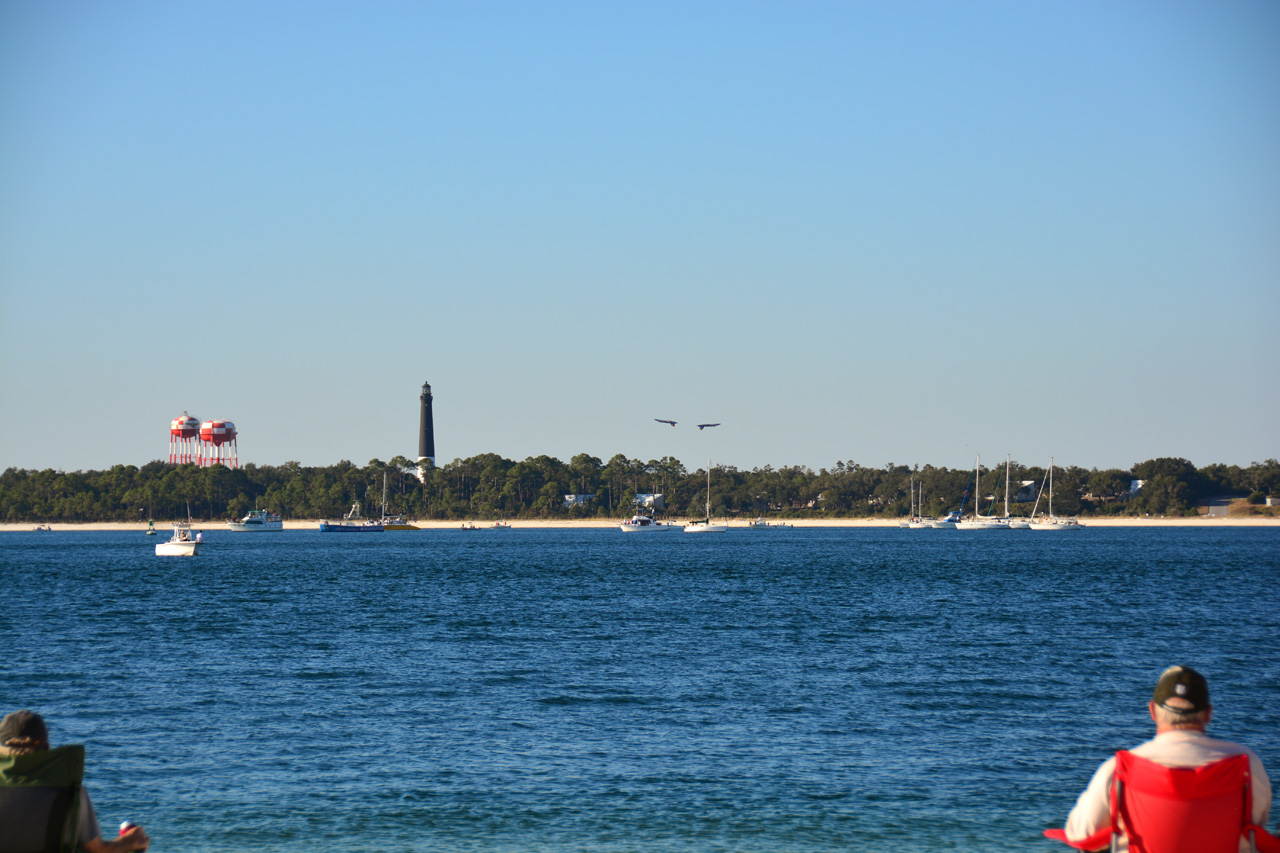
(218,444)
(184,440)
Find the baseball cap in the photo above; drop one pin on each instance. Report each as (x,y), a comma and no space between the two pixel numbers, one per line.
(1182,682)
(23,724)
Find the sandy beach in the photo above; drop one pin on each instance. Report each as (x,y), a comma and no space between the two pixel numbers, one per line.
(553,524)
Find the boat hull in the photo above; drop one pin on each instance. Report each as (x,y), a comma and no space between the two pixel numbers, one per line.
(981,525)
(641,524)
(1056,525)
(254,527)
(177,549)
(343,527)
(698,527)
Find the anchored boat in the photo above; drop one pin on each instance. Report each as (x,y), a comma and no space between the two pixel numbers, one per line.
(256,521)
(185,542)
(352,522)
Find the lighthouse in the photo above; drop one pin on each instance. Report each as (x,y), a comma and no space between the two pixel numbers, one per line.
(426,431)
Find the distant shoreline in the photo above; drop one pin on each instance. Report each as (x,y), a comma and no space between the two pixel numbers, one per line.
(565,524)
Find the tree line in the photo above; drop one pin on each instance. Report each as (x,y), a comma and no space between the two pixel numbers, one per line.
(490,486)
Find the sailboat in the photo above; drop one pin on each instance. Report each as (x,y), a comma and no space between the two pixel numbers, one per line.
(706,526)
(979,521)
(1051,521)
(392,522)
(1011,522)
(914,520)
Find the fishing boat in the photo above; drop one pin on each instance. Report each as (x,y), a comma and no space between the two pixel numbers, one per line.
(500,525)
(352,522)
(257,521)
(43,528)
(1051,521)
(184,543)
(764,524)
(645,524)
(705,526)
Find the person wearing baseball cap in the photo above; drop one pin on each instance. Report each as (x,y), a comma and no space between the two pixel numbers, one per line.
(1181,710)
(23,733)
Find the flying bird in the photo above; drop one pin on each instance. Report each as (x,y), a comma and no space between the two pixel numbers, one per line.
(704,426)
(661,421)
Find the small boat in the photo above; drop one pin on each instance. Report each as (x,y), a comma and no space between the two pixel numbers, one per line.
(915,521)
(352,522)
(947,522)
(469,525)
(43,528)
(184,543)
(980,521)
(705,526)
(1051,521)
(645,524)
(256,521)
(1010,521)
(763,524)
(392,522)
(500,525)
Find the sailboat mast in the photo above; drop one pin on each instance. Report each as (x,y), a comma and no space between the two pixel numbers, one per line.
(977,486)
(1050,487)
(1006,485)
(708,490)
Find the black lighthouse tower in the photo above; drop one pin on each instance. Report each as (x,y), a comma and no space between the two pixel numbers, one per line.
(426,429)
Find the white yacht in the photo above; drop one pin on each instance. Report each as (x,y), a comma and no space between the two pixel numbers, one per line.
(947,522)
(645,524)
(256,521)
(184,543)
(765,524)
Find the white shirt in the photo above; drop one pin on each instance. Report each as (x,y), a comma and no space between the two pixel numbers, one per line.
(1180,748)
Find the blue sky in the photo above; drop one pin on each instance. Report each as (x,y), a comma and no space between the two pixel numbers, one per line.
(905,232)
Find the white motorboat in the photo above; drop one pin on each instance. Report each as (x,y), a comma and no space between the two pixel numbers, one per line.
(947,522)
(185,542)
(645,524)
(1051,521)
(256,521)
(764,524)
(706,526)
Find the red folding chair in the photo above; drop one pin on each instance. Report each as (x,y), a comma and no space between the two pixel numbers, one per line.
(1179,809)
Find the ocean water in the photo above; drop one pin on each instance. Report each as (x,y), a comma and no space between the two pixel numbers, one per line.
(585,690)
